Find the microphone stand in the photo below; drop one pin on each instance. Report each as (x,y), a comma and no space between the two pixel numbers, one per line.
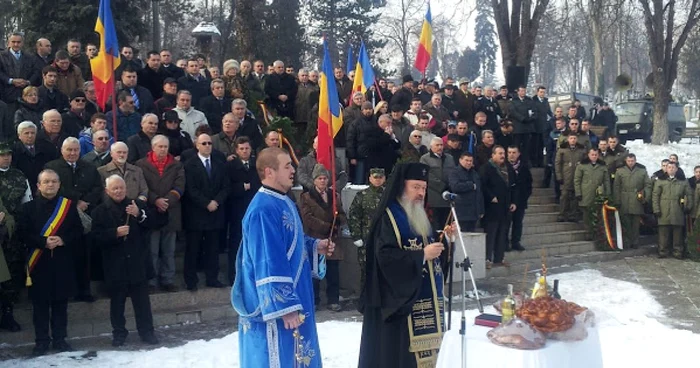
(465,266)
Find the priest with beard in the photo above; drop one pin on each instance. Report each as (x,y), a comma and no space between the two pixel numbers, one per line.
(402,301)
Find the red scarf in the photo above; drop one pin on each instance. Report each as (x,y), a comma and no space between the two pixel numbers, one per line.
(160,165)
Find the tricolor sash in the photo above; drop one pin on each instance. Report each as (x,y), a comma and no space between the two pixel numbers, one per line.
(50,229)
(425,322)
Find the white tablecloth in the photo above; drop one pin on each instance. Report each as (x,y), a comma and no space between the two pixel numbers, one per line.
(482,353)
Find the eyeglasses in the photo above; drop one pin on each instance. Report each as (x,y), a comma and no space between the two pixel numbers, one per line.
(205,143)
(79,99)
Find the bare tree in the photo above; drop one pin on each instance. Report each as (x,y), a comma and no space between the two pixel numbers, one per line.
(666,36)
(402,28)
(517,30)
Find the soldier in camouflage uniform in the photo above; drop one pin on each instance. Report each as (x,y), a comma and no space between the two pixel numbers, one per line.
(14,190)
(360,216)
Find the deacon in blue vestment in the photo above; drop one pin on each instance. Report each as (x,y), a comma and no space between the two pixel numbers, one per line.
(273,294)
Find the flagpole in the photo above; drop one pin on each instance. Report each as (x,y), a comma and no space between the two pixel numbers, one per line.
(376,85)
(114,99)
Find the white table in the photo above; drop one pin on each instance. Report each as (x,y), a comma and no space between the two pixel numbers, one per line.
(481,352)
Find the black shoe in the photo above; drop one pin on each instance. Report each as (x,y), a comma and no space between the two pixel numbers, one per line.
(509,250)
(118,341)
(40,349)
(170,288)
(62,345)
(663,255)
(87,298)
(192,287)
(561,219)
(215,284)
(518,247)
(150,339)
(7,321)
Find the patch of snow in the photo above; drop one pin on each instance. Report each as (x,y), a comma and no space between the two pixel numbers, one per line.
(690,124)
(628,318)
(651,155)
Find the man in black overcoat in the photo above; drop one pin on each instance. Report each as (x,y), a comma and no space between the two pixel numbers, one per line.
(52,275)
(206,188)
(120,224)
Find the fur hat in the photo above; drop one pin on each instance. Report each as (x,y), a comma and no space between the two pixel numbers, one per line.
(407,78)
(229,64)
(319,170)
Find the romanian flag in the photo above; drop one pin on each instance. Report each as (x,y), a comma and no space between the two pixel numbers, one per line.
(364,75)
(351,61)
(425,45)
(107,59)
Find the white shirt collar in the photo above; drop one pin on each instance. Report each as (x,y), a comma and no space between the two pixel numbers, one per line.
(203,159)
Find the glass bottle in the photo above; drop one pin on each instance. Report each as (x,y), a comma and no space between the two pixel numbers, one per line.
(555,291)
(508,306)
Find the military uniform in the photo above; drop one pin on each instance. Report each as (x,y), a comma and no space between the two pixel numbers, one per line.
(362,210)
(671,200)
(590,179)
(565,166)
(631,189)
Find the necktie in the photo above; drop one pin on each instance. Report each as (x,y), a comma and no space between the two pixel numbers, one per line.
(207,167)
(73,166)
(246,165)
(136,98)
(17,55)
(31,150)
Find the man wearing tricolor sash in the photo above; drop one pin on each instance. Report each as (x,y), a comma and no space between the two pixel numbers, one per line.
(50,227)
(402,301)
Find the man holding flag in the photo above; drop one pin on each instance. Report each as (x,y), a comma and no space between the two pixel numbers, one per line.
(106,61)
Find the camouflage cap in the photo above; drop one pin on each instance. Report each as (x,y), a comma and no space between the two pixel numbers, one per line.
(5,147)
(377,171)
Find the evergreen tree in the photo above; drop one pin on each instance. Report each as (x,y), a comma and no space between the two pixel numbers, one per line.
(61,20)
(283,35)
(468,64)
(485,37)
(344,23)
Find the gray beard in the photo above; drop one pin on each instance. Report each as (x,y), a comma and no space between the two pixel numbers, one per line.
(417,218)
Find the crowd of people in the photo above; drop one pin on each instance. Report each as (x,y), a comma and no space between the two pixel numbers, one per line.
(81,191)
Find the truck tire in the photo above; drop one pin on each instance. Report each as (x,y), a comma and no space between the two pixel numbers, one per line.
(647,139)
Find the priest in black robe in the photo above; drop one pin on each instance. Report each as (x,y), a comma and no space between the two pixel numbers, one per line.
(402,302)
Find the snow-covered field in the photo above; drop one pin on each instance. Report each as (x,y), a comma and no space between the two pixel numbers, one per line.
(651,156)
(629,320)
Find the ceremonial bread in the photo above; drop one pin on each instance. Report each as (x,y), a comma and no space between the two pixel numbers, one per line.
(547,314)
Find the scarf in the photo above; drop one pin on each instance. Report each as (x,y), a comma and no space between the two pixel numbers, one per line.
(516,166)
(159,165)
(502,170)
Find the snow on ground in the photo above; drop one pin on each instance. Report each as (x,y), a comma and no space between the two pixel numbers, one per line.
(650,155)
(628,318)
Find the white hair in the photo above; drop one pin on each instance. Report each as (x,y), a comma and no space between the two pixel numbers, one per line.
(278,63)
(112,178)
(486,131)
(25,125)
(117,145)
(69,141)
(147,116)
(159,138)
(240,102)
(435,140)
(49,112)
(97,131)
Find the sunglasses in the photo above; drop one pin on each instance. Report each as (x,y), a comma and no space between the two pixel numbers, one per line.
(205,143)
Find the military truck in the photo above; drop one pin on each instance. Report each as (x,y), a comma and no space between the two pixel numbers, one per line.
(635,120)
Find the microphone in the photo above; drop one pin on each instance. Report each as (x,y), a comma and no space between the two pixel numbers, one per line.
(448,196)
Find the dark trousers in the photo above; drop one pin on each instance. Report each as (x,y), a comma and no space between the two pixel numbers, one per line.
(81,260)
(630,230)
(142,308)
(537,152)
(332,283)
(467,226)
(207,240)
(54,312)
(671,240)
(234,242)
(516,230)
(496,238)
(439,217)
(524,142)
(360,173)
(568,206)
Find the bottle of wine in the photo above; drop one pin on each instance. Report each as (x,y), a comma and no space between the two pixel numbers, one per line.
(536,287)
(555,291)
(508,306)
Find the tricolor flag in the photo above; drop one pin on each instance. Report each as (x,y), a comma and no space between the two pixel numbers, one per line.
(330,118)
(107,59)
(364,75)
(425,45)
(351,61)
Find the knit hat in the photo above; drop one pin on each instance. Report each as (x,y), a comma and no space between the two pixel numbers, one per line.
(77,94)
(319,170)
(229,64)
(407,78)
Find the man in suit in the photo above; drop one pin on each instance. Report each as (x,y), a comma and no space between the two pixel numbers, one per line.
(245,182)
(99,156)
(524,116)
(43,53)
(152,76)
(17,70)
(281,89)
(29,154)
(194,82)
(143,100)
(248,126)
(216,105)
(206,190)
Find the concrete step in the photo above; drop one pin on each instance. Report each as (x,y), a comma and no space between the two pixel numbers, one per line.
(553,238)
(540,218)
(549,228)
(543,199)
(535,251)
(539,192)
(517,267)
(541,208)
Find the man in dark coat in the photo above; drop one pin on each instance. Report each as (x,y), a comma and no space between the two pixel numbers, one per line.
(500,198)
(404,277)
(543,125)
(81,183)
(49,95)
(378,144)
(207,187)
(489,106)
(29,154)
(215,106)
(281,89)
(143,100)
(404,96)
(79,59)
(248,127)
(523,185)
(17,70)
(464,102)
(140,143)
(465,182)
(172,70)
(120,225)
(194,82)
(52,274)
(524,117)
(152,76)
(76,119)
(168,99)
